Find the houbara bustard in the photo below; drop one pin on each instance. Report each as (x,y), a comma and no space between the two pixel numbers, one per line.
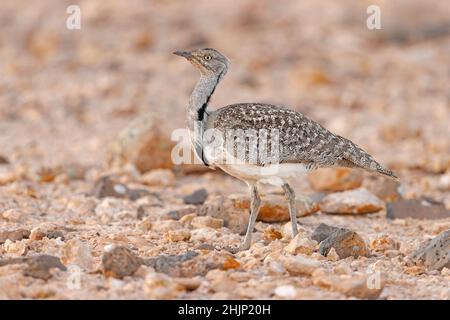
(244,134)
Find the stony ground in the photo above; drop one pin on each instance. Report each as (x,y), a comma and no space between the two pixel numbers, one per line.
(91,205)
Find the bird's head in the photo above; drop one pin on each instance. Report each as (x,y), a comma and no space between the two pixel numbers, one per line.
(208,61)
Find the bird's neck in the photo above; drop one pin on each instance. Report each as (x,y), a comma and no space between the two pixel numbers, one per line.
(198,103)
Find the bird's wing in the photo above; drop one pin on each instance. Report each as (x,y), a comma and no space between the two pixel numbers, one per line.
(300,139)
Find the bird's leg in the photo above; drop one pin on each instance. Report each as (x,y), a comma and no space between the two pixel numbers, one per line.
(255,202)
(290,195)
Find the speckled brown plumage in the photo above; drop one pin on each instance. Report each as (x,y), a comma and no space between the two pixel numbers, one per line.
(302,140)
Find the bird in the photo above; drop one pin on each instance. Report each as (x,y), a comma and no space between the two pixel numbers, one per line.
(261,143)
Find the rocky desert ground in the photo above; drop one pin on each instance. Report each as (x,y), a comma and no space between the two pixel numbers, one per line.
(92,206)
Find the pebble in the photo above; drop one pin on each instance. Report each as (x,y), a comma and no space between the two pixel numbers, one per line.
(197,197)
(106,187)
(119,262)
(286,292)
(346,242)
(384,243)
(172,265)
(14,235)
(13,215)
(301,244)
(143,144)
(220,281)
(433,254)
(40,266)
(177,235)
(359,286)
(417,209)
(206,221)
(387,190)
(46,230)
(15,247)
(162,287)
(335,179)
(158,177)
(358,201)
(300,265)
(77,252)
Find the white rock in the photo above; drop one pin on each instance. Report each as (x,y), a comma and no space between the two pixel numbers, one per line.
(300,265)
(286,292)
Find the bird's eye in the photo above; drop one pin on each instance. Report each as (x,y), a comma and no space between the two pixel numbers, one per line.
(207,57)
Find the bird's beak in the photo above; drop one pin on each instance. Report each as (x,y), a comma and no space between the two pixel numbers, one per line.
(182,53)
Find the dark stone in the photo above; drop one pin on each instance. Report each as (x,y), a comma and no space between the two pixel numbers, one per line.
(322,232)
(105,187)
(55,235)
(15,235)
(134,194)
(3,160)
(120,262)
(197,197)
(179,213)
(164,263)
(346,242)
(40,266)
(417,209)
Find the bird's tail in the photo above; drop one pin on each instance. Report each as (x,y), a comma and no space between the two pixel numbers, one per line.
(354,156)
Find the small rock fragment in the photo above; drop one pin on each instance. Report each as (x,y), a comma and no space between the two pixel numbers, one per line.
(119,262)
(177,235)
(197,197)
(433,254)
(386,189)
(417,209)
(358,201)
(231,263)
(322,232)
(14,235)
(170,264)
(144,144)
(16,247)
(300,265)
(384,243)
(105,187)
(78,253)
(359,286)
(158,177)
(13,215)
(335,179)
(40,266)
(270,234)
(301,245)
(286,292)
(345,242)
(160,286)
(189,284)
(220,281)
(179,213)
(332,255)
(206,221)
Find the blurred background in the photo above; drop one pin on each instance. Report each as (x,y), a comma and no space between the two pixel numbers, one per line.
(65,94)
